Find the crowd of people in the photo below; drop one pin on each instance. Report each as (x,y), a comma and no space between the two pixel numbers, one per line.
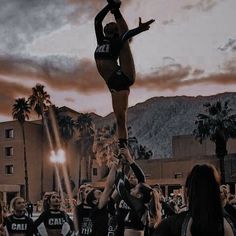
(127,205)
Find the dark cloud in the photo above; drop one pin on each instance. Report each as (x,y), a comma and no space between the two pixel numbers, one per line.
(21,21)
(168,60)
(202,5)
(167,22)
(230,66)
(197,72)
(230,45)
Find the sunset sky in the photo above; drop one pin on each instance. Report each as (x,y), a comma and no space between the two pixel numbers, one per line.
(189,50)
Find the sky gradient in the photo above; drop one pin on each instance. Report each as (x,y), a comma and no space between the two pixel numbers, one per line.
(189,50)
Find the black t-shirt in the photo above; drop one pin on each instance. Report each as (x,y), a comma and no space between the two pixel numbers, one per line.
(170,226)
(104,220)
(19,224)
(231,211)
(100,222)
(83,213)
(122,211)
(108,49)
(54,219)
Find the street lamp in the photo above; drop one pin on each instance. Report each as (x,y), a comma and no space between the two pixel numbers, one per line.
(57,158)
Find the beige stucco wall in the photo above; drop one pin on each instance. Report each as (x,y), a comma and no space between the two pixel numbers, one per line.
(34,153)
(187,146)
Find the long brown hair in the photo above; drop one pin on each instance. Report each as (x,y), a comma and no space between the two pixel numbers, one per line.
(204,201)
(151,197)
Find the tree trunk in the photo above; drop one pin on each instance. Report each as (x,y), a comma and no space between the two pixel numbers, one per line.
(80,169)
(41,170)
(222,169)
(89,168)
(53,180)
(25,165)
(221,152)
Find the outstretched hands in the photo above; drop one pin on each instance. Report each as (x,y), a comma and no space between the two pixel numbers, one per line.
(146,25)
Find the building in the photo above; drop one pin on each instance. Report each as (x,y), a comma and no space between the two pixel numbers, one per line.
(12,181)
(169,173)
(38,153)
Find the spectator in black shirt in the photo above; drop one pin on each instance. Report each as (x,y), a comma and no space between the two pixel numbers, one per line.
(99,200)
(18,223)
(29,208)
(55,221)
(205,215)
(82,213)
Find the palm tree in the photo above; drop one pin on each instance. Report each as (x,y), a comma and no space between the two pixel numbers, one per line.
(20,112)
(105,144)
(39,102)
(219,125)
(85,126)
(67,128)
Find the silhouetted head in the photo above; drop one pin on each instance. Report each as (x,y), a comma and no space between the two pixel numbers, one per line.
(111,30)
(205,207)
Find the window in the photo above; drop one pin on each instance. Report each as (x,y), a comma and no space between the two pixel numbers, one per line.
(9,151)
(9,133)
(9,169)
(178,175)
(95,171)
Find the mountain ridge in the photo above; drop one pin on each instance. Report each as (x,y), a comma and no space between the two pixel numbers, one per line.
(155,121)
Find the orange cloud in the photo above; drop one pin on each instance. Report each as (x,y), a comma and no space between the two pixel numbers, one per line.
(8,93)
(176,76)
(82,76)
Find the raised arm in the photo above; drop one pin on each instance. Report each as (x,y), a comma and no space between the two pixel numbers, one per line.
(98,22)
(121,23)
(109,186)
(134,166)
(141,28)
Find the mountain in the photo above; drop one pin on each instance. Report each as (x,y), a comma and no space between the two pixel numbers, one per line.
(155,121)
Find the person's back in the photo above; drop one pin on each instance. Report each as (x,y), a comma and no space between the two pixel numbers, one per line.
(205,215)
(83,213)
